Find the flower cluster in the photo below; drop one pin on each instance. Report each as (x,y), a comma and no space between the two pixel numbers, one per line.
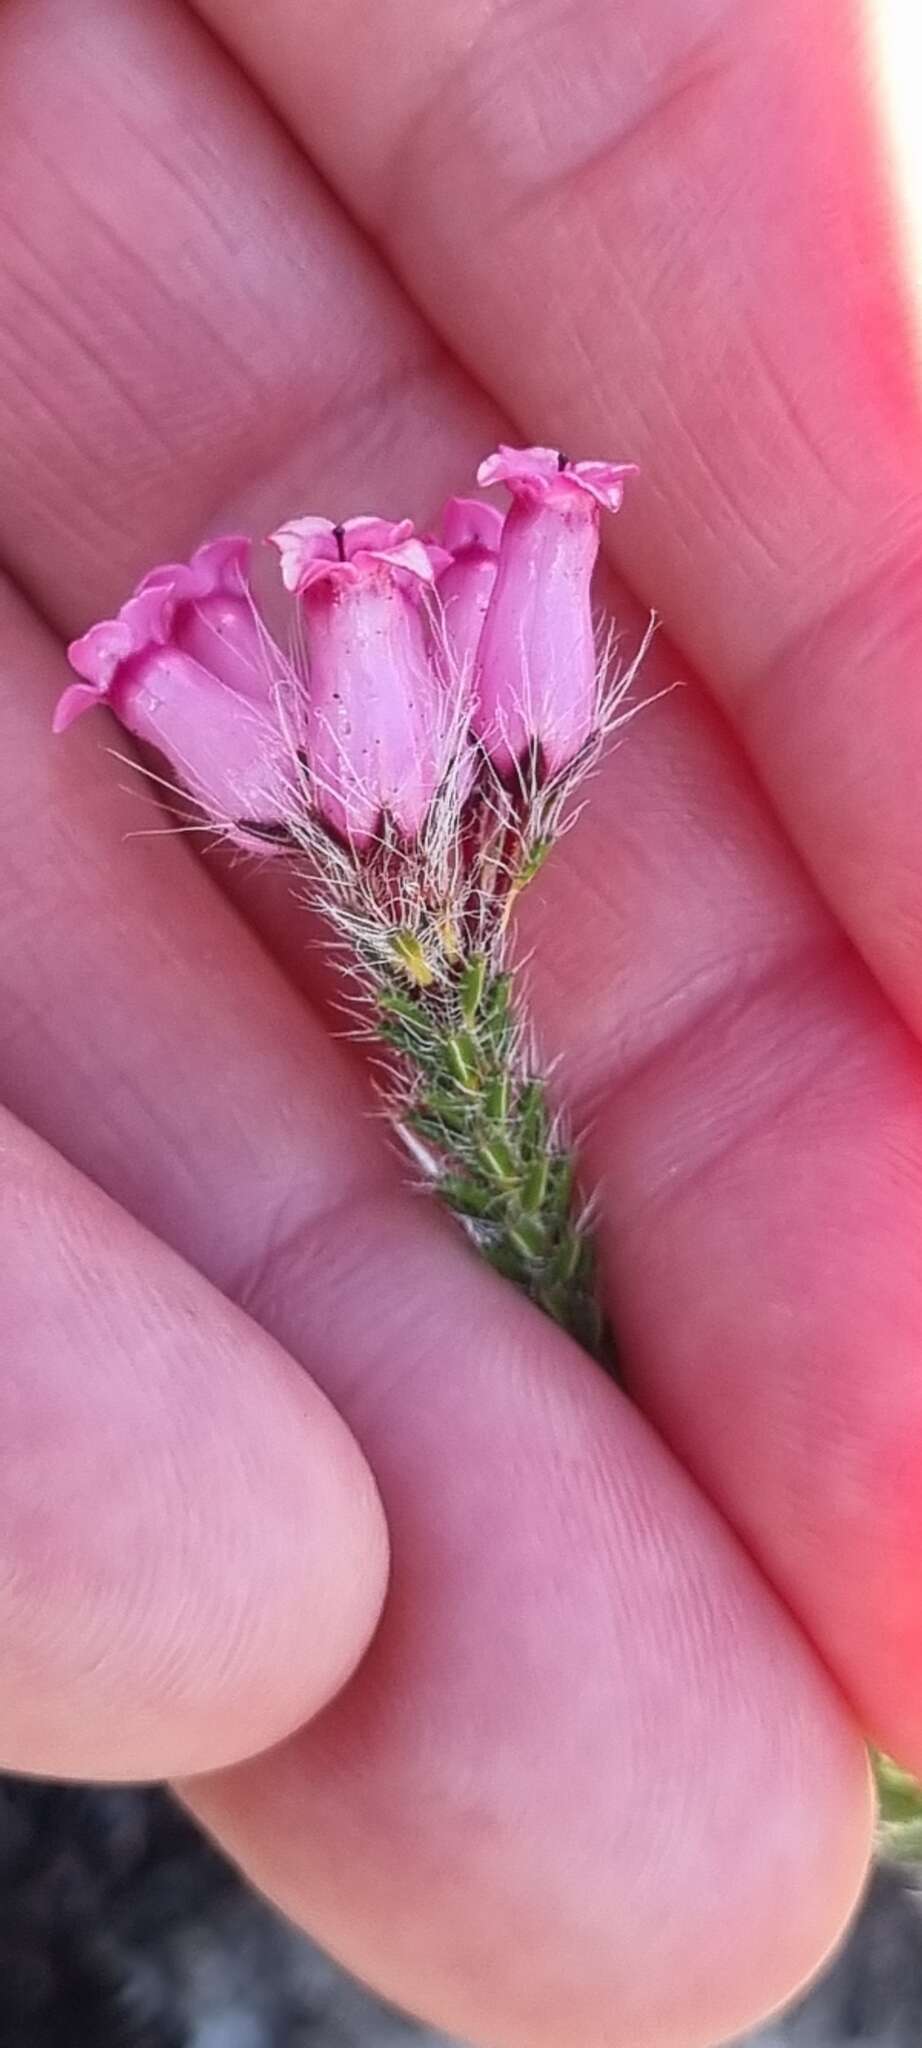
(415,755)
(416,651)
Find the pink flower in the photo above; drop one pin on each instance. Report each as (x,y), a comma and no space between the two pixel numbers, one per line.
(188,667)
(535,680)
(471,532)
(376,724)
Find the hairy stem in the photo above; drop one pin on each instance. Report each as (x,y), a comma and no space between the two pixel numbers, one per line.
(499,1159)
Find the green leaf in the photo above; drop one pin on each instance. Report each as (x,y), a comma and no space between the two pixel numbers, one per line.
(461,1057)
(392,1002)
(496,1098)
(529,1237)
(495,1016)
(471,987)
(534,1186)
(899,1794)
(533,1118)
(408,950)
(499,1162)
(466,1196)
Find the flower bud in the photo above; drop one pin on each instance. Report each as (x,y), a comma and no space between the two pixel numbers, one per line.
(188,667)
(375,716)
(535,676)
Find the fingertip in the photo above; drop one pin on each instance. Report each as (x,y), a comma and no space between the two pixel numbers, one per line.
(816,1826)
(193,1552)
(327,1564)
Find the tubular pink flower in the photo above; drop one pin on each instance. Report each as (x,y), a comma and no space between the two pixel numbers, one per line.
(376,726)
(188,667)
(471,532)
(535,680)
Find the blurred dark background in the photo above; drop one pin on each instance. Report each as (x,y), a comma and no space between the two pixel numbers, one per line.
(120,1927)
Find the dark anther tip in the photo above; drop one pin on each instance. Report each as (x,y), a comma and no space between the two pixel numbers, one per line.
(339,535)
(562,460)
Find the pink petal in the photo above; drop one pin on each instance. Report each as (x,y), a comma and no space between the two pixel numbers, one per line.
(541,472)
(229,752)
(223,633)
(188,667)
(472,530)
(302,544)
(219,565)
(603,480)
(76,699)
(312,550)
(417,559)
(471,523)
(535,671)
(367,532)
(514,465)
(310,547)
(375,712)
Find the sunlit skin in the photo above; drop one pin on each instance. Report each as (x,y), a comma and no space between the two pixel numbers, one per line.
(894,42)
(599,1777)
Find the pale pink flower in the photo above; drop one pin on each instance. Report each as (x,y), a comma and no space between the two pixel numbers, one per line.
(188,667)
(376,716)
(471,532)
(536,686)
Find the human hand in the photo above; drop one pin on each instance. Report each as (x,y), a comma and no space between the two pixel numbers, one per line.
(589,1781)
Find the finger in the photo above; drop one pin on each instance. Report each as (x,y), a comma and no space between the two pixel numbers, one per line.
(192,1555)
(673,230)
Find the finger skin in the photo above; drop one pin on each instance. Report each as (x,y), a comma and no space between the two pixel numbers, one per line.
(192,1552)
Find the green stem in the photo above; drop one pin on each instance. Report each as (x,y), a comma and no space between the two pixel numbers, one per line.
(500,1162)
(899,1796)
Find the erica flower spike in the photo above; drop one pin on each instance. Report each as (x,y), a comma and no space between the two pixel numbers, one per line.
(414,755)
